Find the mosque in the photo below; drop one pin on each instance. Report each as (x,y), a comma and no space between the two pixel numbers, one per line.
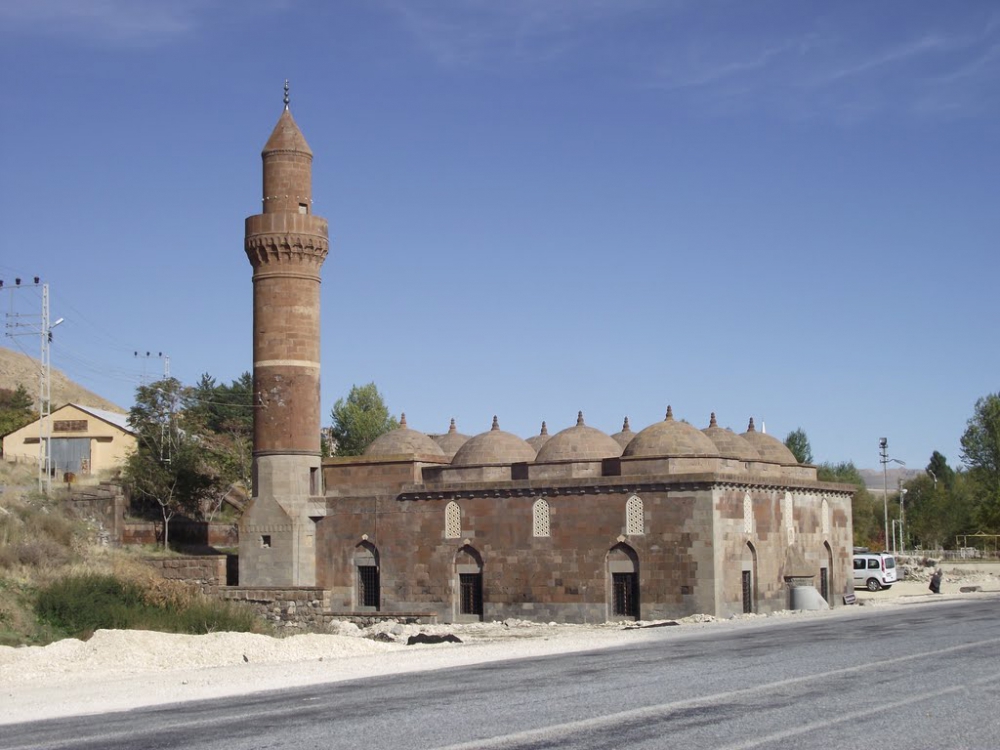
(577,526)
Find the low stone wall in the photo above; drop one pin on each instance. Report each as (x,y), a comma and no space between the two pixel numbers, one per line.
(183,531)
(140,532)
(104,507)
(293,607)
(308,608)
(206,571)
(186,531)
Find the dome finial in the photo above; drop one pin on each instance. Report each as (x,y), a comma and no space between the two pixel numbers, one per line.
(670,414)
(712,422)
(402,421)
(286,93)
(750,427)
(579,419)
(496,423)
(545,429)
(451,427)
(625,427)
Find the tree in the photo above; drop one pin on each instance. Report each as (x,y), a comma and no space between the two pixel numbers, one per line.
(359,419)
(981,453)
(168,466)
(16,409)
(798,444)
(939,470)
(226,413)
(936,513)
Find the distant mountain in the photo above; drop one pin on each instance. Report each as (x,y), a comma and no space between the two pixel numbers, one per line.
(875,481)
(20,369)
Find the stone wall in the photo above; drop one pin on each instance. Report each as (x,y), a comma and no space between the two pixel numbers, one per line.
(562,575)
(293,607)
(104,507)
(203,570)
(183,532)
(141,532)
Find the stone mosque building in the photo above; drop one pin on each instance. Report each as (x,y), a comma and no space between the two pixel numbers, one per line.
(577,526)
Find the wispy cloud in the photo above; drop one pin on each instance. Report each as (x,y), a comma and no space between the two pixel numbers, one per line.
(896,54)
(122,21)
(478,33)
(730,57)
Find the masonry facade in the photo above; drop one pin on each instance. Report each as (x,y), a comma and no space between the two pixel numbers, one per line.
(579,526)
(665,527)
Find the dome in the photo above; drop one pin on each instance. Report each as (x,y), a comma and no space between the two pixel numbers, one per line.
(403,441)
(493,448)
(537,441)
(670,438)
(729,443)
(624,437)
(769,448)
(579,443)
(451,441)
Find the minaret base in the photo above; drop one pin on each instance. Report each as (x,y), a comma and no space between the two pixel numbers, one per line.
(277,535)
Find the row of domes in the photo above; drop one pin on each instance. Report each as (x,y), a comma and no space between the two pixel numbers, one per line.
(583,443)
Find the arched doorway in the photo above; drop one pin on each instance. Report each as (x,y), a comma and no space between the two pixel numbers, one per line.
(825,573)
(368,580)
(623,575)
(748,578)
(469,571)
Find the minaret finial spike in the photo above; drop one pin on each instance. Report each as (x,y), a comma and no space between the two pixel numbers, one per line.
(286,93)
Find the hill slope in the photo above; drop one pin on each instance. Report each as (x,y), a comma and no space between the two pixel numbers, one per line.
(20,369)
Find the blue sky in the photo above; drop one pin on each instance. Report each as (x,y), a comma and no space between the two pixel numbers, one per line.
(778,209)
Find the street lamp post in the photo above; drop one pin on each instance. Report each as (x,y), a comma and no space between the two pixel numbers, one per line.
(883,452)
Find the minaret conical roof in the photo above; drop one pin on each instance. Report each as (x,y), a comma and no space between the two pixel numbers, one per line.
(286,136)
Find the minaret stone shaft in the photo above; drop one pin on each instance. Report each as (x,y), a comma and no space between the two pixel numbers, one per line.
(286,245)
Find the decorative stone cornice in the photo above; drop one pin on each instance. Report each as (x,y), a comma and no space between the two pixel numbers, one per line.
(277,247)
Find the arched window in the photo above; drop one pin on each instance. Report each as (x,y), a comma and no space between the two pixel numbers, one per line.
(789,513)
(540,518)
(634,523)
(747,514)
(452,521)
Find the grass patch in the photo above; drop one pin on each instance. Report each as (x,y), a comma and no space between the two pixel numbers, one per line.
(76,606)
(57,581)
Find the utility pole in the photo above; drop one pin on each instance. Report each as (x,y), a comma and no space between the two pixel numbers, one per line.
(44,331)
(146,357)
(883,452)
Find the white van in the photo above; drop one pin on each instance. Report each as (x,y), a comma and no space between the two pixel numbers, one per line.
(874,570)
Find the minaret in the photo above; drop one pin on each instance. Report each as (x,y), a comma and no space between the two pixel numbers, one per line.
(286,245)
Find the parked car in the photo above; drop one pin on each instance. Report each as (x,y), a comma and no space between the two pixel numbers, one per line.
(874,570)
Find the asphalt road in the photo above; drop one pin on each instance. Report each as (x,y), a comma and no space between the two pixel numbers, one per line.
(919,676)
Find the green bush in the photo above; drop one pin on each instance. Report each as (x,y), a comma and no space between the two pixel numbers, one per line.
(79,605)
